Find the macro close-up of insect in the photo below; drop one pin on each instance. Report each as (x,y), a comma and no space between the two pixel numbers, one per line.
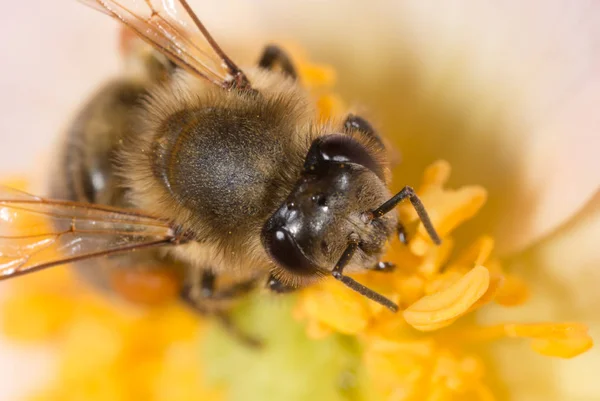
(298,201)
(222,170)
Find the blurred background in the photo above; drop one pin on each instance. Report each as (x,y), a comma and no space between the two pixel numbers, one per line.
(507,92)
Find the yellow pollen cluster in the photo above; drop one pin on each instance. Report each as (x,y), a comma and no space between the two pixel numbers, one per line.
(106,350)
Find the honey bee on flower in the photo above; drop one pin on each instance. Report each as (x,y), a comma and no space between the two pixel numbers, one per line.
(457,302)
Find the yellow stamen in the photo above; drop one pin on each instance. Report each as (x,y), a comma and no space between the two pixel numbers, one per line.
(564,340)
(329,105)
(451,207)
(513,292)
(338,307)
(477,254)
(439,310)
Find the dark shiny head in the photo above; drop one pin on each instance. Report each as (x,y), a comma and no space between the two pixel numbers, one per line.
(341,181)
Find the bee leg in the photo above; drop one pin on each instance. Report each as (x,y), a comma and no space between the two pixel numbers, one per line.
(401,232)
(234,330)
(275,55)
(408,192)
(208,291)
(275,285)
(194,297)
(357,123)
(384,267)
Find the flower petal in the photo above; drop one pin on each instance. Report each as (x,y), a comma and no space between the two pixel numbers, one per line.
(439,310)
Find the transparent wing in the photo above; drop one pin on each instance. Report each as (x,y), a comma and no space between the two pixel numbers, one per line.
(36,233)
(172,28)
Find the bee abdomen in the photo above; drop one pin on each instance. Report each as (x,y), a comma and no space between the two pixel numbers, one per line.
(88,170)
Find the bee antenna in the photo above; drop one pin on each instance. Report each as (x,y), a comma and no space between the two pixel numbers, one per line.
(408,192)
(367,292)
(338,274)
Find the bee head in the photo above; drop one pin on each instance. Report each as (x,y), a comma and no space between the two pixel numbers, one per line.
(341,182)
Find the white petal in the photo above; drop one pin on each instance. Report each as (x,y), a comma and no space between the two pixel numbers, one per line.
(563,275)
(540,61)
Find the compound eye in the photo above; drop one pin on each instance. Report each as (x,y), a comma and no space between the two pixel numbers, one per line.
(286,252)
(342,149)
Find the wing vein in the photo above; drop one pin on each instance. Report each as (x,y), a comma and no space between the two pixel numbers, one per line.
(40,233)
(109,219)
(172,28)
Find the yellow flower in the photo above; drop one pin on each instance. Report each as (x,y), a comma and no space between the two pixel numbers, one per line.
(427,352)
(438,347)
(107,351)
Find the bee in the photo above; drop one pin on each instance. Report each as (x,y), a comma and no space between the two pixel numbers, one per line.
(206,180)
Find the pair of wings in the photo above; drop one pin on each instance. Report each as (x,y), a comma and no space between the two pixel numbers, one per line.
(172,28)
(36,233)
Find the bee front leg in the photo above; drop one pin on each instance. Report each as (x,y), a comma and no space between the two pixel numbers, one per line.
(208,289)
(234,330)
(199,295)
(388,267)
(273,55)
